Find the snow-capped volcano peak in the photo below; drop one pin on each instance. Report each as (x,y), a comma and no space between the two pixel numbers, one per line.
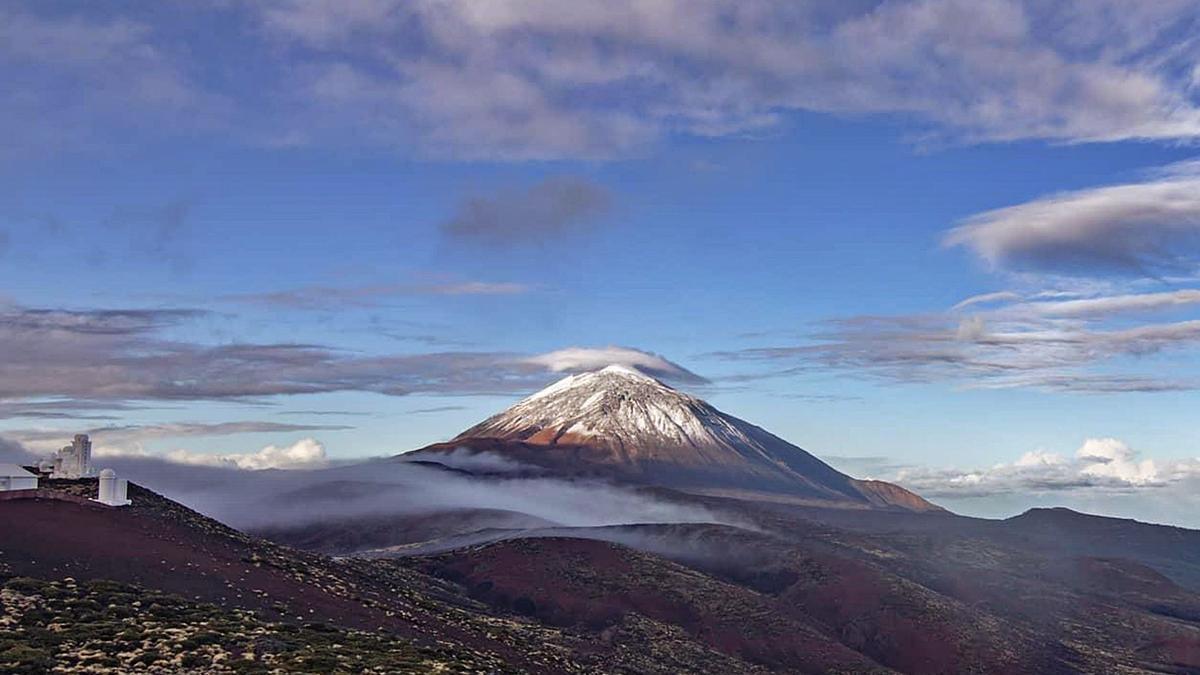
(611,375)
(618,369)
(616,406)
(623,422)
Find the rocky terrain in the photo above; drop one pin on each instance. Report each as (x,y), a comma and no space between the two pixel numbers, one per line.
(100,626)
(147,587)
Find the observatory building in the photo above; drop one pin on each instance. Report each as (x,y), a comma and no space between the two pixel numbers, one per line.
(74,460)
(13,477)
(113,490)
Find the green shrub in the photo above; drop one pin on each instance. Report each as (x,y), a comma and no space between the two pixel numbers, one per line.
(20,658)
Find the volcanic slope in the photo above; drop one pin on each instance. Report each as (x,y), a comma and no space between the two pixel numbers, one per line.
(622,423)
(70,571)
(192,574)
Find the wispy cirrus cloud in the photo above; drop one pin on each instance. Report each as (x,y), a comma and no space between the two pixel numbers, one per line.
(121,356)
(306,453)
(1111,305)
(134,75)
(1086,310)
(435,409)
(538,79)
(98,322)
(340,297)
(986,298)
(63,409)
(326,413)
(135,434)
(991,350)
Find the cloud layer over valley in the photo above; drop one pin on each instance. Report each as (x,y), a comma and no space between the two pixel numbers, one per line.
(1102,474)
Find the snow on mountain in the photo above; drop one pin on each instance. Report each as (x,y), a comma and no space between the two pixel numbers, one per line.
(621,408)
(628,423)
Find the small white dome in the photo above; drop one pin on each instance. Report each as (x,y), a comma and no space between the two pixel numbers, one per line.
(108,473)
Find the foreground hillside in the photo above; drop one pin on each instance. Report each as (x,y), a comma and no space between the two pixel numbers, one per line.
(790,590)
(97,626)
(207,575)
(161,546)
(1052,591)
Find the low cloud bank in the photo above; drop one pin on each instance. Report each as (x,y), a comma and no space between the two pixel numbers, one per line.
(480,462)
(385,487)
(221,487)
(307,453)
(1100,465)
(1103,476)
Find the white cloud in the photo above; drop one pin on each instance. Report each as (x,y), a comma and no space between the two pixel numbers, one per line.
(127,434)
(1004,348)
(578,359)
(1040,458)
(539,79)
(1111,458)
(1100,465)
(1115,304)
(476,462)
(307,453)
(986,299)
(510,76)
(1138,229)
(69,74)
(120,355)
(1094,337)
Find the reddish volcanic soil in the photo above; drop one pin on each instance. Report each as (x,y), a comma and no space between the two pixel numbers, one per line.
(592,584)
(919,594)
(1182,653)
(55,539)
(159,544)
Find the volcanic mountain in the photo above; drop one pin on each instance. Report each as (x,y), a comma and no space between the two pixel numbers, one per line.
(622,423)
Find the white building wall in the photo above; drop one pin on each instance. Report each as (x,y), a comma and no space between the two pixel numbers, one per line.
(107,478)
(13,477)
(112,490)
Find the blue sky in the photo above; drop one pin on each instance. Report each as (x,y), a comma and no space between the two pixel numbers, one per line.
(349,229)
